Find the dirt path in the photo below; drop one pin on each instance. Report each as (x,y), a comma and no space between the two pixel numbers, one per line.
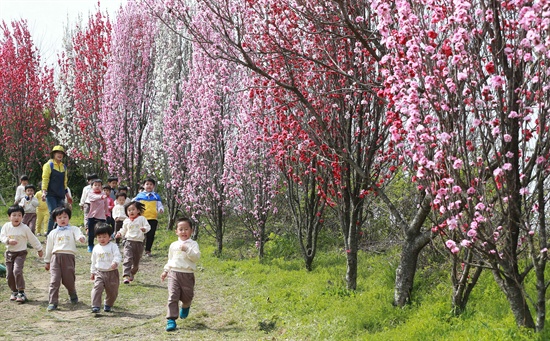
(139,312)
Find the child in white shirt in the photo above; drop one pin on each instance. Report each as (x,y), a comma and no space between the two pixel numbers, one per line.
(119,212)
(183,256)
(16,235)
(20,191)
(60,256)
(29,203)
(104,268)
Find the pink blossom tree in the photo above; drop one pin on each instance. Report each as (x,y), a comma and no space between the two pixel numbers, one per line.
(27,95)
(471,80)
(129,92)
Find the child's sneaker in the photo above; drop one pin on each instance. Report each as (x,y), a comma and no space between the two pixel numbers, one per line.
(51,307)
(184,312)
(126,280)
(106,308)
(170,325)
(74,298)
(13,296)
(90,248)
(21,298)
(95,310)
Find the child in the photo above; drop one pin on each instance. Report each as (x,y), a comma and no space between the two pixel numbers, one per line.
(182,263)
(153,206)
(60,256)
(133,230)
(110,203)
(84,203)
(112,181)
(29,204)
(104,269)
(124,189)
(20,191)
(119,212)
(99,206)
(42,213)
(16,235)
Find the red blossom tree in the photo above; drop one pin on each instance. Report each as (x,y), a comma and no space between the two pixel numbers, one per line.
(27,95)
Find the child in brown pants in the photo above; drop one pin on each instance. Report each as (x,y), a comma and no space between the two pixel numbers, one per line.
(60,256)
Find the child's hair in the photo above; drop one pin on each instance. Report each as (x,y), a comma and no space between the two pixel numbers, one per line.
(123,188)
(141,188)
(186,220)
(60,210)
(121,195)
(30,186)
(112,178)
(107,187)
(150,179)
(24,178)
(103,228)
(140,207)
(16,208)
(97,180)
(92,176)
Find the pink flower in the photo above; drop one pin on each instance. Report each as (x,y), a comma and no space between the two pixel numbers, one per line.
(458,164)
(480,206)
(507,137)
(498,171)
(471,191)
(472,233)
(465,243)
(456,189)
(524,191)
(497,82)
(531,232)
(455,250)
(450,243)
(540,160)
(544,250)
(507,166)
(513,114)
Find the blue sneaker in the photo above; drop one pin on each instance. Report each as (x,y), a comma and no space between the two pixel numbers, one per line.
(106,308)
(170,325)
(184,312)
(90,248)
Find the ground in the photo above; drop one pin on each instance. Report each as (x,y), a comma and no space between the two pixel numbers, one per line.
(139,312)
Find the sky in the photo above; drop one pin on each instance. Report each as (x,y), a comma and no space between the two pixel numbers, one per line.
(47,18)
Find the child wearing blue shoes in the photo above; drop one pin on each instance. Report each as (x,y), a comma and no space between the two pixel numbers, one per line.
(183,256)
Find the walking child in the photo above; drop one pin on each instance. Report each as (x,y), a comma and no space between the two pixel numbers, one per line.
(112,181)
(133,230)
(20,190)
(16,235)
(84,203)
(153,206)
(124,189)
(60,256)
(99,206)
(183,256)
(119,213)
(42,214)
(110,204)
(104,268)
(29,203)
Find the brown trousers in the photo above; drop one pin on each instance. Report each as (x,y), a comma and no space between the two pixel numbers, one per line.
(180,288)
(29,219)
(108,281)
(15,261)
(62,270)
(132,255)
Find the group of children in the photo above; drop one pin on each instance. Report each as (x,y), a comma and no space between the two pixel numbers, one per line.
(131,221)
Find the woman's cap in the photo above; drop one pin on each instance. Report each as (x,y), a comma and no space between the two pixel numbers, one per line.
(57,149)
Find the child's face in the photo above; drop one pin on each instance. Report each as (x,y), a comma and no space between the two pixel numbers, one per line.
(133,212)
(113,183)
(148,186)
(103,239)
(96,187)
(29,192)
(184,230)
(107,191)
(24,182)
(62,219)
(120,200)
(16,218)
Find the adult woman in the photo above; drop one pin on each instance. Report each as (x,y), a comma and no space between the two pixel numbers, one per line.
(54,182)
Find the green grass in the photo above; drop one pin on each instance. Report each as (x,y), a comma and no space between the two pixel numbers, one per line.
(276,299)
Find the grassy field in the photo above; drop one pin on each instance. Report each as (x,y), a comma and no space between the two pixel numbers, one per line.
(239,298)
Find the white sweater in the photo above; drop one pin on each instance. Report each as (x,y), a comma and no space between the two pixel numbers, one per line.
(63,240)
(22,233)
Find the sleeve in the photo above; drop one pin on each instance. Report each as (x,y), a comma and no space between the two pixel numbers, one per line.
(146,225)
(19,195)
(21,202)
(106,203)
(117,256)
(124,228)
(3,235)
(159,205)
(49,247)
(84,195)
(35,243)
(46,172)
(66,181)
(193,252)
(34,202)
(93,260)
(77,233)
(92,197)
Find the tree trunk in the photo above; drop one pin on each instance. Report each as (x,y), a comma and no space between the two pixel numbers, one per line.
(404,275)
(515,295)
(351,271)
